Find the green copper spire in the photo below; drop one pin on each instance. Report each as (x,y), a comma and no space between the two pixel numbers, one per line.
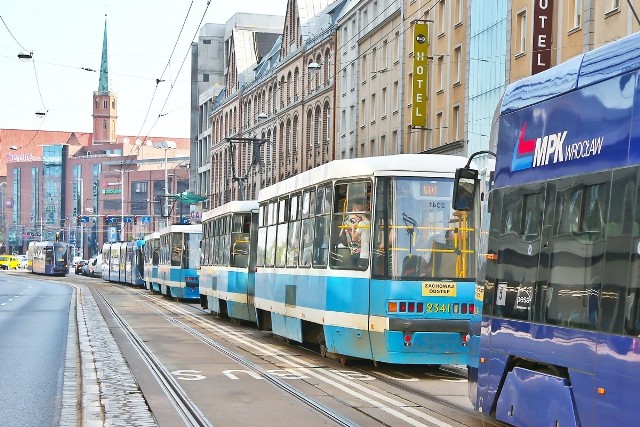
(103,85)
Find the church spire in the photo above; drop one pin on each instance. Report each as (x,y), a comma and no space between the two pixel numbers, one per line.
(103,85)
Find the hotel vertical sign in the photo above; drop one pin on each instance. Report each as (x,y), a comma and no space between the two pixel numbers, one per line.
(419,100)
(542,24)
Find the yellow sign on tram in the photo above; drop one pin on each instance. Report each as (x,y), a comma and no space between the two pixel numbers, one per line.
(438,289)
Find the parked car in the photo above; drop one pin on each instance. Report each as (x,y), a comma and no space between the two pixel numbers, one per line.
(9,262)
(23,261)
(78,267)
(96,267)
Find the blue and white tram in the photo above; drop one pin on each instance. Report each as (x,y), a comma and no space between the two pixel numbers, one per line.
(179,261)
(134,263)
(367,258)
(106,261)
(50,258)
(229,237)
(114,254)
(151,259)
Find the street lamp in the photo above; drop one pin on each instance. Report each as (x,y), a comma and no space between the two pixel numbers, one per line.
(80,193)
(166,145)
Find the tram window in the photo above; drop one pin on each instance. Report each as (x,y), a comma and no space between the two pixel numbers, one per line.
(321,241)
(532,211)
(176,249)
(632,306)
(351,230)
(293,242)
(512,213)
(616,263)
(596,200)
(306,243)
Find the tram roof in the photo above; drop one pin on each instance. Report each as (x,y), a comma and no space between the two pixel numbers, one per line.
(181,228)
(397,164)
(154,235)
(612,59)
(234,206)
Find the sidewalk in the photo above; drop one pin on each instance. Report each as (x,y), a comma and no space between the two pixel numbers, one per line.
(99,387)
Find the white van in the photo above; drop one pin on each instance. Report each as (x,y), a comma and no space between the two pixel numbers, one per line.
(95,268)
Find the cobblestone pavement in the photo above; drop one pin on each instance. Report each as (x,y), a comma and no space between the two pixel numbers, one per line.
(99,387)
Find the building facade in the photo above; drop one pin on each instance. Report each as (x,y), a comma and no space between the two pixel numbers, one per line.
(281,106)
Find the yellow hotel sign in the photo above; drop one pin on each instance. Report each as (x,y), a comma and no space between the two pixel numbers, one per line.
(419,101)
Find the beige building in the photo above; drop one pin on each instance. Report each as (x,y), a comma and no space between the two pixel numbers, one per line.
(282,105)
(447,79)
(546,33)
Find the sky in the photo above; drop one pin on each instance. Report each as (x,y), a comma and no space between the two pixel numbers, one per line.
(65,37)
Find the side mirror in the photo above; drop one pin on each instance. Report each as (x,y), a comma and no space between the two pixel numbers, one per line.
(464,189)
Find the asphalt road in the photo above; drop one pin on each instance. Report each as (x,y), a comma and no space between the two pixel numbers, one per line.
(34,317)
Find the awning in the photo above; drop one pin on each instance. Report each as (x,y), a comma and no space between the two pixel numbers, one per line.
(187,198)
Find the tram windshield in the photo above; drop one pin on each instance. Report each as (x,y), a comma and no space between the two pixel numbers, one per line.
(417,234)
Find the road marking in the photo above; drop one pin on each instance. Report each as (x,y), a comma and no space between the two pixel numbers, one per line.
(407,377)
(188,375)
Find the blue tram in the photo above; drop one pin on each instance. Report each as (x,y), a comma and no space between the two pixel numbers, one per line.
(229,236)
(134,263)
(179,261)
(151,259)
(561,297)
(50,258)
(123,262)
(368,259)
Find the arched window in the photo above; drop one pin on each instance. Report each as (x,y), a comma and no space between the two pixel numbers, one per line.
(326,120)
(289,83)
(319,77)
(288,146)
(327,69)
(294,140)
(296,82)
(308,142)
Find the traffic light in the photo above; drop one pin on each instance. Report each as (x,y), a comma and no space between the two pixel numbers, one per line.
(79,219)
(135,219)
(57,236)
(107,219)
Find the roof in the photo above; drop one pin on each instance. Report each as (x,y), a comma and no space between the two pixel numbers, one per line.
(399,164)
(234,206)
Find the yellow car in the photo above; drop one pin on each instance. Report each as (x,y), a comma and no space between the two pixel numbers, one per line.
(9,262)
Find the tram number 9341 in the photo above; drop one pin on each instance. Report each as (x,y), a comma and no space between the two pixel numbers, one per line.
(438,308)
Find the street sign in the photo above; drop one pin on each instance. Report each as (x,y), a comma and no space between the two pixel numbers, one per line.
(145,219)
(84,219)
(113,234)
(127,219)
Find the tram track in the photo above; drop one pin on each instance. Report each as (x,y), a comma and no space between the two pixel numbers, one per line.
(188,411)
(386,401)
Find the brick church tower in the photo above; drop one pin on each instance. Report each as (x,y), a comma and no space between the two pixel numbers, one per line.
(105,105)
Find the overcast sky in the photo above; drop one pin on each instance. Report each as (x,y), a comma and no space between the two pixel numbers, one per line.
(66,36)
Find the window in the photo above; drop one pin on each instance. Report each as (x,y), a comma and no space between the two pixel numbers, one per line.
(614,5)
(374,61)
(373,108)
(104,124)
(457,64)
(363,68)
(343,80)
(105,104)
(206,41)
(441,73)
(521,32)
(363,112)
(350,244)
(455,118)
(383,58)
(439,128)
(459,11)
(396,47)
(205,77)
(442,15)
(396,97)
(575,14)
(383,103)
(352,75)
